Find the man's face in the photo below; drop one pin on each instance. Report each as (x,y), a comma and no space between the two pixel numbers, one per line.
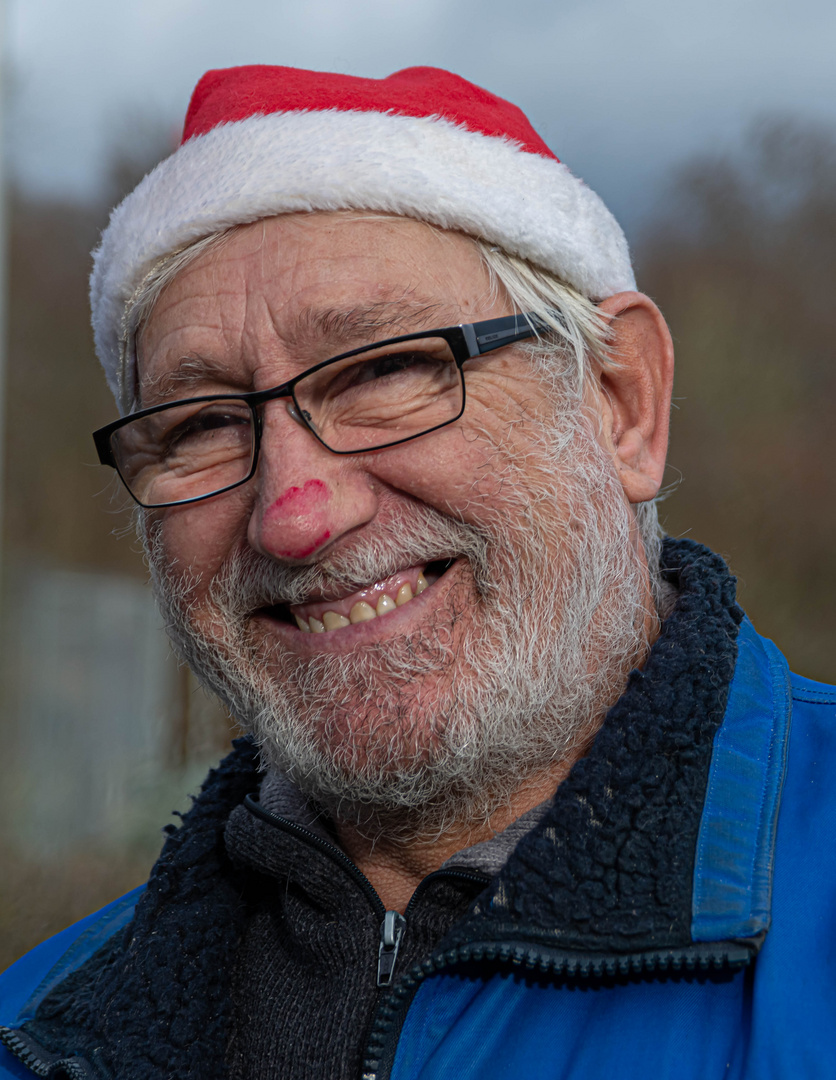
(513,515)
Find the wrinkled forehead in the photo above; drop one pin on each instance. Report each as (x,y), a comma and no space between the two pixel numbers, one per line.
(304,286)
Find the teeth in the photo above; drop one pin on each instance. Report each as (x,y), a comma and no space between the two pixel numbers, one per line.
(362,611)
(386,603)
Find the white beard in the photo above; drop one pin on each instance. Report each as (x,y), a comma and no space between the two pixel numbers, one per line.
(435,727)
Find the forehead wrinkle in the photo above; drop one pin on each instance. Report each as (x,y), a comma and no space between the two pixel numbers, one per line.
(343,327)
(337,327)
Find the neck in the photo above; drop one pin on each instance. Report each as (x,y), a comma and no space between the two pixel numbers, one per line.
(396,867)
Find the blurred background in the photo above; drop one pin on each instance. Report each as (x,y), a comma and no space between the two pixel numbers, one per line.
(710,131)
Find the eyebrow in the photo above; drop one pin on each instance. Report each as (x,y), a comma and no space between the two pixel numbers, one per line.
(190,372)
(365,322)
(341,328)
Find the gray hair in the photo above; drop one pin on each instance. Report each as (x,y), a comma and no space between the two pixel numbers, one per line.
(567,357)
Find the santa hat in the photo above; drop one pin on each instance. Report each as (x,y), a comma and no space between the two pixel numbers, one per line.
(422,143)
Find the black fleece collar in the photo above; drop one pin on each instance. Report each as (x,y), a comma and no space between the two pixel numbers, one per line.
(155,1000)
(609,866)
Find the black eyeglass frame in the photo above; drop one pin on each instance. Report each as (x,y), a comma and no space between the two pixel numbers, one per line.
(467,341)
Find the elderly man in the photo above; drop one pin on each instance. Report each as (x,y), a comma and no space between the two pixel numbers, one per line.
(508,805)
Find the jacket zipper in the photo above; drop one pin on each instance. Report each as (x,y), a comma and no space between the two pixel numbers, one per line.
(40,1062)
(391,935)
(391,1011)
(393,925)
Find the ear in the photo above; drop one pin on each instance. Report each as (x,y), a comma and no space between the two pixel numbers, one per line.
(633,398)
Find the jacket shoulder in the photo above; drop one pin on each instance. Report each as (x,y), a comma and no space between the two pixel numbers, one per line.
(813,722)
(813,693)
(24,985)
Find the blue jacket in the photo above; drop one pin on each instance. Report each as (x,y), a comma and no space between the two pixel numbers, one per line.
(747,990)
(774,1017)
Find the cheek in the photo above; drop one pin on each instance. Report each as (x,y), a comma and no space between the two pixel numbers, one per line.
(440,468)
(456,470)
(201,537)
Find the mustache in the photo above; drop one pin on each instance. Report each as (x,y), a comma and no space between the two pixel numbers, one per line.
(414,536)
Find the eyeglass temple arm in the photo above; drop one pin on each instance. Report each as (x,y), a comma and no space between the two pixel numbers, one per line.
(483,337)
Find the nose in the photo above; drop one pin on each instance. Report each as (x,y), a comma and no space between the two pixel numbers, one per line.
(306,497)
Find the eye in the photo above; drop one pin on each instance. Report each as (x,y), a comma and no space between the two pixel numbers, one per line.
(394,363)
(219,420)
(391,366)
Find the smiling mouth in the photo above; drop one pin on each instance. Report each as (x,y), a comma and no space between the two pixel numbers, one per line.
(371,602)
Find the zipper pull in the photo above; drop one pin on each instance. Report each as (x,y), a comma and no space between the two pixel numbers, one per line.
(391,932)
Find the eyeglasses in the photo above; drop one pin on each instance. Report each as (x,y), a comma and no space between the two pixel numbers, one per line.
(366,399)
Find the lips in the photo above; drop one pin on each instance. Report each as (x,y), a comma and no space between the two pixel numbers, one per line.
(370,602)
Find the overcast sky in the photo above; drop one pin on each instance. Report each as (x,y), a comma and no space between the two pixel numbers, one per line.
(620,91)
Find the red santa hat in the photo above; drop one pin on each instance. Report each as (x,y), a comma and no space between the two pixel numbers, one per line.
(422,143)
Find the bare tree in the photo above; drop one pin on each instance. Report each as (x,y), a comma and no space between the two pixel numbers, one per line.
(742,263)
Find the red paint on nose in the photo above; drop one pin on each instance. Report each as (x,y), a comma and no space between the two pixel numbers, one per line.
(295,524)
(299,500)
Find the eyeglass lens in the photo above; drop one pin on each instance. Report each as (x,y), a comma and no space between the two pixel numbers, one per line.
(381,396)
(185,452)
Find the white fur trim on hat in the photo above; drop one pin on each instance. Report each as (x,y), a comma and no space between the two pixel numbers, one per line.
(424,168)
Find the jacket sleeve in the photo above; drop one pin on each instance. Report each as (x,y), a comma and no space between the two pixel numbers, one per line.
(24,985)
